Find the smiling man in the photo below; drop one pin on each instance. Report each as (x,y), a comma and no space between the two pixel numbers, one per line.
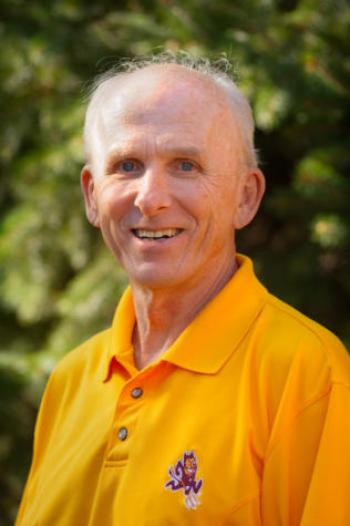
(208,401)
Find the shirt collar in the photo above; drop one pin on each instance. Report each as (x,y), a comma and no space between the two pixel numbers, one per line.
(209,340)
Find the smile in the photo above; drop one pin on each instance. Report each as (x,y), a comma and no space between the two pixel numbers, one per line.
(156,234)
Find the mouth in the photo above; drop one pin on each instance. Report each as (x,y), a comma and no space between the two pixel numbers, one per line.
(165,233)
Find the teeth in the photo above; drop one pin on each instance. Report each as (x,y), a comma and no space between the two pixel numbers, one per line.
(156,234)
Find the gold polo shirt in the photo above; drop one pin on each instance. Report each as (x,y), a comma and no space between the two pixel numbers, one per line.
(244,421)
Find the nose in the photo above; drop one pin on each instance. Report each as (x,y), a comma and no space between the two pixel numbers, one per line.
(153,192)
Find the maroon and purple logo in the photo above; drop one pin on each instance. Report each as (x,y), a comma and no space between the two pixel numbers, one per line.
(183,477)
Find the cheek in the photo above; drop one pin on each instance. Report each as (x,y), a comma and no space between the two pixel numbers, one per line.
(111,213)
(220,188)
(227,203)
(113,202)
(222,211)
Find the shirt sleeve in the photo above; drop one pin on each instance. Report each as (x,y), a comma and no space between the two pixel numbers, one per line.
(42,431)
(307,473)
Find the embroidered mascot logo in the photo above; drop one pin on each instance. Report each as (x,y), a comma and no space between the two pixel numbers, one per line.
(183,477)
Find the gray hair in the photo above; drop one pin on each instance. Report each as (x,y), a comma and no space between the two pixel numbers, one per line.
(217,70)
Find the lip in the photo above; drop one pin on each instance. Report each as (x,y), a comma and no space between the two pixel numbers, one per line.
(151,243)
(177,229)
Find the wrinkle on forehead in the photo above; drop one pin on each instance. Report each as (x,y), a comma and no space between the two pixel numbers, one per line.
(162,94)
(146,92)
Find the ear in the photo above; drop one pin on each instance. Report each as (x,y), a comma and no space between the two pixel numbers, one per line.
(89,192)
(251,192)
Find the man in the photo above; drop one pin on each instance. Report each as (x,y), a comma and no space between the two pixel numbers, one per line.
(208,401)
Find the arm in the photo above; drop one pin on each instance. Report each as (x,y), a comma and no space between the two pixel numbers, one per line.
(43,426)
(307,470)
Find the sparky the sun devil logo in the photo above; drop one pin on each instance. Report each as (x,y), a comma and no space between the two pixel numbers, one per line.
(183,477)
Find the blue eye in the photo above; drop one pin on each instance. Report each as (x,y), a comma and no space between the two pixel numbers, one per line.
(186,166)
(128,166)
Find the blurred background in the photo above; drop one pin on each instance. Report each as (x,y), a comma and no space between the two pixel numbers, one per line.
(58,284)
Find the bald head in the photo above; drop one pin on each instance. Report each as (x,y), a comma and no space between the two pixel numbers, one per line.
(154,84)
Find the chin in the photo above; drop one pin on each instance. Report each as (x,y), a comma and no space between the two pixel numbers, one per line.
(153,281)
(154,278)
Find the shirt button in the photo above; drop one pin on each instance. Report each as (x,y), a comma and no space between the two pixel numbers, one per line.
(136,392)
(122,433)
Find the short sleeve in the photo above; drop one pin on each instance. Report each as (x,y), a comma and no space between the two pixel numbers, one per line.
(307,473)
(43,426)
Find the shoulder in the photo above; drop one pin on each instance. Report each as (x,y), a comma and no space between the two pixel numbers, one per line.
(298,341)
(296,367)
(88,360)
(73,384)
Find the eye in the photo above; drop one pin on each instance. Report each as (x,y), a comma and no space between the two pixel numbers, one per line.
(186,166)
(123,166)
(129,166)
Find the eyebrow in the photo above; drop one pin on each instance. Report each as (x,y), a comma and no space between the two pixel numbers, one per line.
(178,151)
(182,151)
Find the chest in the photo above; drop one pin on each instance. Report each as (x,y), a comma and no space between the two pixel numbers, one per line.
(179,450)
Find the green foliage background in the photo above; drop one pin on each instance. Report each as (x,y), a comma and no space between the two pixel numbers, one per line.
(58,285)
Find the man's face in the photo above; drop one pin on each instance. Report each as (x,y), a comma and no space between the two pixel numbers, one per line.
(168,179)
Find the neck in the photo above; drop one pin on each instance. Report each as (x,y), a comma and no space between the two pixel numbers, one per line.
(163,314)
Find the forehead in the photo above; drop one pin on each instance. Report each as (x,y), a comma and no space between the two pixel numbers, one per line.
(163,98)
(162,93)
